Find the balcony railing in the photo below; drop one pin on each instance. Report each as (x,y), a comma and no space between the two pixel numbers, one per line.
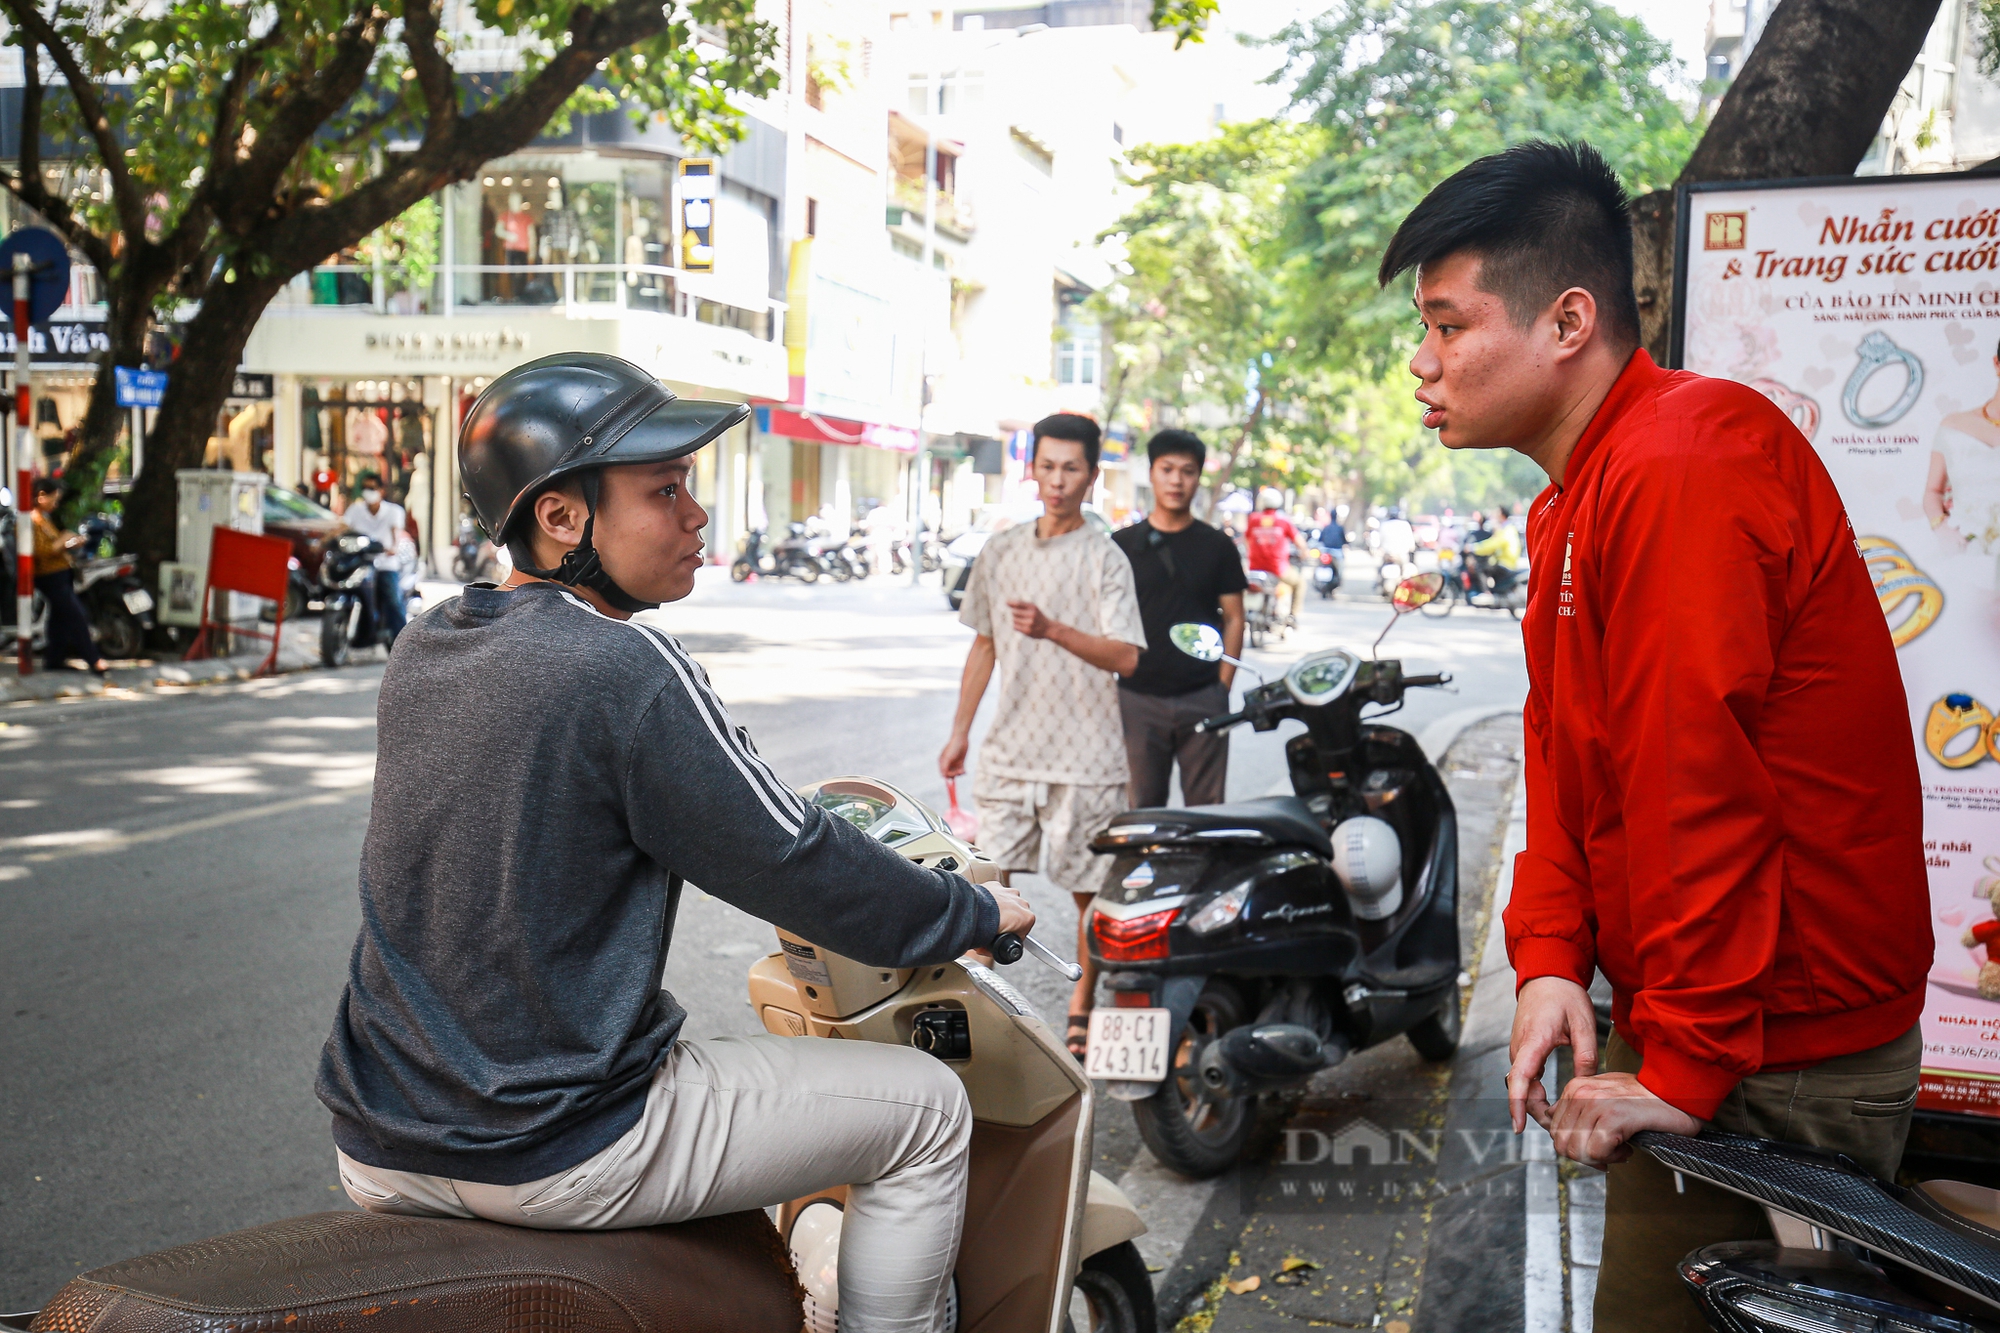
(953,214)
(579,290)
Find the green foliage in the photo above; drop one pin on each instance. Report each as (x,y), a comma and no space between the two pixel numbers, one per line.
(411,244)
(1411,90)
(1183,18)
(168,68)
(1987,28)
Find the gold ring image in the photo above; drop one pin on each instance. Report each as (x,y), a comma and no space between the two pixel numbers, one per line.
(1951,717)
(1897,581)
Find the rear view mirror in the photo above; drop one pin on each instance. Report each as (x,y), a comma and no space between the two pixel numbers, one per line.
(1411,593)
(1204,643)
(1415,591)
(1201,642)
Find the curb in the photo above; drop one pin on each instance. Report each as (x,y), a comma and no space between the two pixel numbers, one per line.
(45,686)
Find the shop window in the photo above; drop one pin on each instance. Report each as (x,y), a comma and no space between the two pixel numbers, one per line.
(1076,360)
(542,231)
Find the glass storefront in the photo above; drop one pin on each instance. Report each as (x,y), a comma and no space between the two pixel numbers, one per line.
(349,427)
(562,228)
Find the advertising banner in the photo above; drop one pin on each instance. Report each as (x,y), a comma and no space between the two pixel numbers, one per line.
(1869,310)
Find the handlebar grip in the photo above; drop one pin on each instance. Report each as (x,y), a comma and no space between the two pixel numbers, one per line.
(1219,723)
(1441,678)
(1007,948)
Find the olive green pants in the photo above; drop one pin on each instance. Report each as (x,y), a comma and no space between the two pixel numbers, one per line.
(1855,1104)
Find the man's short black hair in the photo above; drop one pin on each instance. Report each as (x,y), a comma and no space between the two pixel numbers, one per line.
(1168,442)
(370,475)
(1543,217)
(1070,426)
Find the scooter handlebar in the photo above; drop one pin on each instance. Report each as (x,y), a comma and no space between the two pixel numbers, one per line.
(1224,722)
(1007,948)
(1441,678)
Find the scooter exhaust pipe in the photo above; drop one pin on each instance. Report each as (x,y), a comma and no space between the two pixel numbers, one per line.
(1261,1056)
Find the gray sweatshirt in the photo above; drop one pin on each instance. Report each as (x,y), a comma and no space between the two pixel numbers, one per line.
(546,777)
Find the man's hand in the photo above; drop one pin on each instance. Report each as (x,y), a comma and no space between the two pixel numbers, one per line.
(951,761)
(1029,620)
(1597,1116)
(1549,1012)
(1016,917)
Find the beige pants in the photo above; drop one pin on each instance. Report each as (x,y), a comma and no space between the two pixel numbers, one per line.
(747,1122)
(1857,1104)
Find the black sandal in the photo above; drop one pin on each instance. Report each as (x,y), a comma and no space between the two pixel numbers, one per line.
(1078,1023)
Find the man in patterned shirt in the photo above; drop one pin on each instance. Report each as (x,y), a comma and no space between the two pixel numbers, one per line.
(1054,607)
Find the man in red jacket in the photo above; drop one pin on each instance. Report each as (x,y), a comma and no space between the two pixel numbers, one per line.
(1723,803)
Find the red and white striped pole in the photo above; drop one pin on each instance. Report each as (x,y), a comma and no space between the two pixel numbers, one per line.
(24,461)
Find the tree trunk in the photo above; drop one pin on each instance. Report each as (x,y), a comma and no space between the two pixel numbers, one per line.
(1808,102)
(195,394)
(97,444)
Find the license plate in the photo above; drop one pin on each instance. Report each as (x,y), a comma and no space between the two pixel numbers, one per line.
(1128,1044)
(138,601)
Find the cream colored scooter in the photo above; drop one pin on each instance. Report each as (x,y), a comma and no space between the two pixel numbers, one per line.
(1048,1242)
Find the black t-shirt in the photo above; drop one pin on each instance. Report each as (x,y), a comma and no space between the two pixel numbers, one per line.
(1181,576)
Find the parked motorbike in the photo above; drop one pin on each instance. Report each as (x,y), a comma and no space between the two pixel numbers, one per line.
(1851,1252)
(108,584)
(790,557)
(1478,582)
(348,566)
(472,556)
(1248,946)
(1326,574)
(1047,1244)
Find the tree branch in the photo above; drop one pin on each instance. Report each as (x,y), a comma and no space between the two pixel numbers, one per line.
(235,89)
(30,154)
(434,74)
(236,191)
(131,208)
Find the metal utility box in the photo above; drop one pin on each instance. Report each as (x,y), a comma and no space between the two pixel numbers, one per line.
(210,499)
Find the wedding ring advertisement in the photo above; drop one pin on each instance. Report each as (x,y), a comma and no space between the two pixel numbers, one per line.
(1867,314)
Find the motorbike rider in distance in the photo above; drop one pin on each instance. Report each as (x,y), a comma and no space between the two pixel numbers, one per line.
(1498,555)
(550,773)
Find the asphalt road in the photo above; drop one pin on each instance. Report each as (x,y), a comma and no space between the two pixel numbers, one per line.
(178,880)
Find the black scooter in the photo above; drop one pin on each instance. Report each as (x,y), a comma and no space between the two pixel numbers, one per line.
(346,578)
(1249,946)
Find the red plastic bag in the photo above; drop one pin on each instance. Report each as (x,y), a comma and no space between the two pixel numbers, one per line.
(962,822)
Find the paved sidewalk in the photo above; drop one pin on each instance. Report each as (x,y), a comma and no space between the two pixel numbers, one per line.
(1351,1219)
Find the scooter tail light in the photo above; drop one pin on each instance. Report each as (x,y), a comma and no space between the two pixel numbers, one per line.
(1138,940)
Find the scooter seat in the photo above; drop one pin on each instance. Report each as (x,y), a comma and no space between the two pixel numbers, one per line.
(1282,819)
(387,1274)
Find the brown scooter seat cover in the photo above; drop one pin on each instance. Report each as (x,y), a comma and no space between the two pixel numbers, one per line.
(384,1274)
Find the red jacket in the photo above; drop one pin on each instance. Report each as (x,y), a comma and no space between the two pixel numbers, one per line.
(1723,802)
(1270,536)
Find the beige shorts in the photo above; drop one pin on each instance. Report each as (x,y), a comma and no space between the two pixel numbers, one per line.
(1045,828)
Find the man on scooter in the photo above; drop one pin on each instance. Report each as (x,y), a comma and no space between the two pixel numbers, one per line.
(1724,813)
(550,772)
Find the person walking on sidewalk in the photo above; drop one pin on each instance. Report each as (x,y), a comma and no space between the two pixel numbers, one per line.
(1185,571)
(1750,879)
(1054,608)
(68,635)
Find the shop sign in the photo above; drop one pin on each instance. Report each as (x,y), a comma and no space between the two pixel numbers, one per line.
(428,346)
(254,387)
(139,388)
(1869,312)
(696,202)
(63,339)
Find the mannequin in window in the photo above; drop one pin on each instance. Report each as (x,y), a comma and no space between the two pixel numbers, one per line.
(516,229)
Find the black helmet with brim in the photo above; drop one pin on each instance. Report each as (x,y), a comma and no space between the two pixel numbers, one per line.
(568,413)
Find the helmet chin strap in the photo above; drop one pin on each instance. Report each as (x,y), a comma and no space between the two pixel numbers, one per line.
(580,567)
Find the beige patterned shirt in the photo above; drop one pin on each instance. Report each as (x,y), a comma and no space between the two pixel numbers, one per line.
(1056,716)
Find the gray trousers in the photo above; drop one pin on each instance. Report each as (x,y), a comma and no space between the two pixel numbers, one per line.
(1159,729)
